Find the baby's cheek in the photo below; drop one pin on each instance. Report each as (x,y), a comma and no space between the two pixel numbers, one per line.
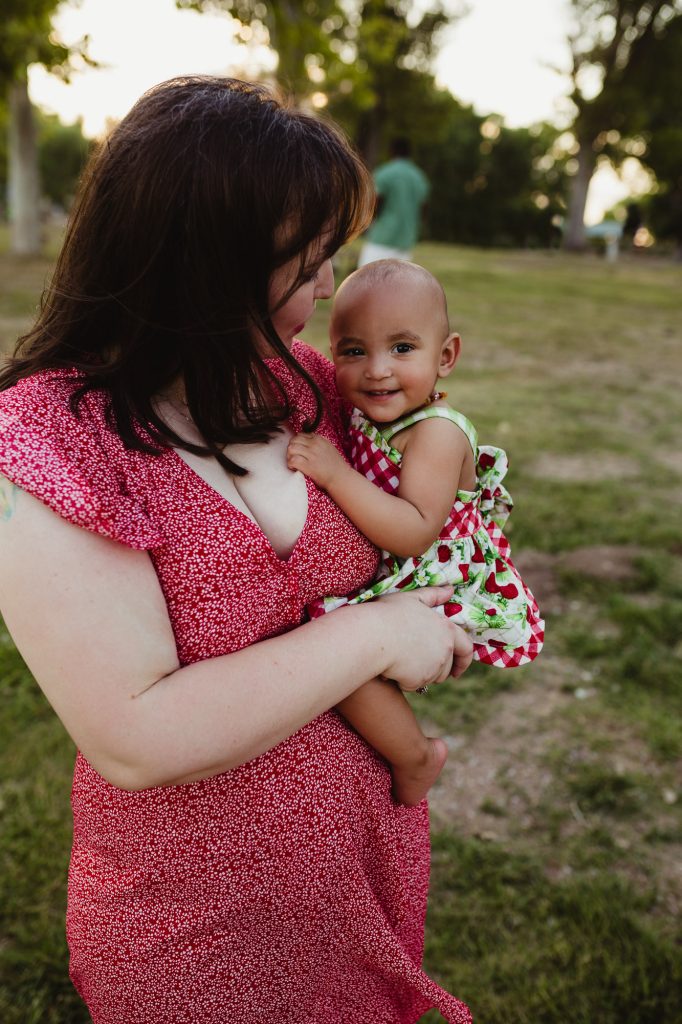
(344,383)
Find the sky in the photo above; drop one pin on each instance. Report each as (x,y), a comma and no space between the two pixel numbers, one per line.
(499,59)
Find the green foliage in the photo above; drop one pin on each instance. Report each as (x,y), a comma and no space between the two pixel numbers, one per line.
(661,82)
(300,33)
(615,42)
(370,59)
(62,152)
(26,38)
(386,70)
(614,46)
(491,185)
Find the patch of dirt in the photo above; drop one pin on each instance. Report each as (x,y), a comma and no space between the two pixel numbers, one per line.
(672,461)
(540,570)
(502,765)
(494,784)
(603,561)
(584,468)
(609,370)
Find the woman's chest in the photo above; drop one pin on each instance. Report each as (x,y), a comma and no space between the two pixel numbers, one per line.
(235,572)
(268,493)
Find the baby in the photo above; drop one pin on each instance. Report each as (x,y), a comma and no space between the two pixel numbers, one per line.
(422,490)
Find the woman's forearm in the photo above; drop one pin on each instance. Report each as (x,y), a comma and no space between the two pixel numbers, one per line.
(90,618)
(213,715)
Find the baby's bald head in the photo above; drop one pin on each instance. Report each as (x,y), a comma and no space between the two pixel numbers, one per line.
(406,278)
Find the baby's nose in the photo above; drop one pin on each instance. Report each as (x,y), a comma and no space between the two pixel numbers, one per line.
(378,368)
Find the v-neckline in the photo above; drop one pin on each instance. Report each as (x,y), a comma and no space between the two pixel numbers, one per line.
(253,523)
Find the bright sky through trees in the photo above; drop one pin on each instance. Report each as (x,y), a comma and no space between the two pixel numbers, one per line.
(497,58)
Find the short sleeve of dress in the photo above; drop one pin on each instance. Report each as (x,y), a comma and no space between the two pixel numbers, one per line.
(76,465)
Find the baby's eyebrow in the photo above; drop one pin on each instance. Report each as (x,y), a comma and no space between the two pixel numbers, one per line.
(347,339)
(404,336)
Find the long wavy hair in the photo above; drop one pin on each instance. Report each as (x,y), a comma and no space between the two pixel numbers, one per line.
(183,213)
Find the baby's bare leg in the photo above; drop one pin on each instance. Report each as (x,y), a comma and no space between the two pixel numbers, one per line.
(379,712)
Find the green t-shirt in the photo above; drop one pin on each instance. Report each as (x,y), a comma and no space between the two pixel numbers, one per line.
(403,188)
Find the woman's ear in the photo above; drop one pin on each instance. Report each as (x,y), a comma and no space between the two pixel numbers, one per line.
(449,354)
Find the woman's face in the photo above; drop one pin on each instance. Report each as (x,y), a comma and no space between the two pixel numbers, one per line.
(290,318)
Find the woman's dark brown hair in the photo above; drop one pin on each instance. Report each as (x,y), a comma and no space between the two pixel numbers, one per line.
(184,212)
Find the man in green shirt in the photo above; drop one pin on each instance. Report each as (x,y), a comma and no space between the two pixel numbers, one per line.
(401,189)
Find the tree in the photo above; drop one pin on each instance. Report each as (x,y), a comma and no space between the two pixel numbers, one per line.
(661,136)
(368,60)
(491,185)
(382,85)
(26,39)
(614,40)
(299,33)
(62,153)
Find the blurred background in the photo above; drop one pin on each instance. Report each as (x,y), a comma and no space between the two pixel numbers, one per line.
(551,134)
(529,118)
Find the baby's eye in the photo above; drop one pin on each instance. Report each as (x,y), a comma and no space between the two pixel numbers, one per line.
(403,347)
(354,351)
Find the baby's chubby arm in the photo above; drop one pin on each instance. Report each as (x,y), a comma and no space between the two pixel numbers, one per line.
(409,522)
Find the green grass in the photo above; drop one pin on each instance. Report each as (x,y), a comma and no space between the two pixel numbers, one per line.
(568,908)
(523,949)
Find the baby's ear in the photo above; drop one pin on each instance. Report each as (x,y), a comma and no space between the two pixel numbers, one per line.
(449,354)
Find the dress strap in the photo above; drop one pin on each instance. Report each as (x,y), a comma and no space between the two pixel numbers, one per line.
(443,412)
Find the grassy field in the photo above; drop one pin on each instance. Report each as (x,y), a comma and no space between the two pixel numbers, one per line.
(557,868)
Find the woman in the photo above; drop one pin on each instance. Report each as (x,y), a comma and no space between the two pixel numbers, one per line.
(237,856)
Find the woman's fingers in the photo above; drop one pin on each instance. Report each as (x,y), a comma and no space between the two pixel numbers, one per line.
(462,652)
(462,647)
(432,597)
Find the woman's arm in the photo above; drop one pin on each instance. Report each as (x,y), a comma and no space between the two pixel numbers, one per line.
(90,619)
(407,523)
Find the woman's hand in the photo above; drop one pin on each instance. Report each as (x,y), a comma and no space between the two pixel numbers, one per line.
(426,648)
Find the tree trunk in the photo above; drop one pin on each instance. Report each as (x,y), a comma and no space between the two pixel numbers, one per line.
(23,188)
(574,235)
(370,133)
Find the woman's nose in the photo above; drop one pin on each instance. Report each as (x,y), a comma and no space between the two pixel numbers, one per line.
(324,286)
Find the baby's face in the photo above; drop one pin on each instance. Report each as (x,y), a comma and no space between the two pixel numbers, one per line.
(388,342)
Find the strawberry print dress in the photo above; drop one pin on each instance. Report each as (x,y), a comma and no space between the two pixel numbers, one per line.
(490,601)
(291,889)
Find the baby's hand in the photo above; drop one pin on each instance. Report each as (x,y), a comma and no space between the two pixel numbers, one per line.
(316,457)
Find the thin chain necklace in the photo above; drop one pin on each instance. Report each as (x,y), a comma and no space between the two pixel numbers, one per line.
(177,406)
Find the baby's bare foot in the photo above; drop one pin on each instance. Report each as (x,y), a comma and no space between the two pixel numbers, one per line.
(411,782)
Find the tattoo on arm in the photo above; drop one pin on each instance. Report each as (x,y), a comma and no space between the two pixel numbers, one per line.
(8,500)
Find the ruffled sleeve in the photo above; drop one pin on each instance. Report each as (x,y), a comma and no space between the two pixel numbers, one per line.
(491,468)
(77,466)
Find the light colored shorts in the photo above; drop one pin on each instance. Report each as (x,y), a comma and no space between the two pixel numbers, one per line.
(371,251)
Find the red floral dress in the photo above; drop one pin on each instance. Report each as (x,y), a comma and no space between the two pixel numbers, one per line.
(291,889)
